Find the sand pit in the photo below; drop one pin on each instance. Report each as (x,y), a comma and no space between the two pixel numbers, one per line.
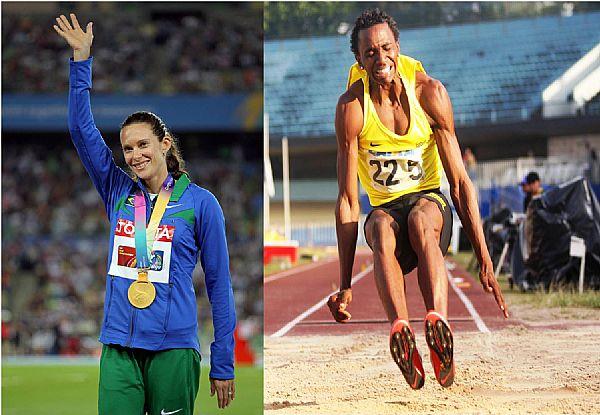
(516,370)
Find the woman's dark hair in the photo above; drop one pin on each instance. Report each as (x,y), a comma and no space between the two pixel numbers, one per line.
(175,163)
(369,18)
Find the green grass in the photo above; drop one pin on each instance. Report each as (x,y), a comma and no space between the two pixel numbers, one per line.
(540,299)
(563,298)
(65,390)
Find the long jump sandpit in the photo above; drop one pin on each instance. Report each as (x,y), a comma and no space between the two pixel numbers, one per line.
(536,363)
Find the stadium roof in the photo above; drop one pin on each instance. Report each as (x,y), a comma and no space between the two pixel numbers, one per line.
(494,71)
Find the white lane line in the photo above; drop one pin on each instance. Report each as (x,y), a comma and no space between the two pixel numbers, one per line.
(282,331)
(296,270)
(468,304)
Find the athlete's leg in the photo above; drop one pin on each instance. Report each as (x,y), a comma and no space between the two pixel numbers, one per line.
(381,230)
(425,224)
(121,388)
(172,379)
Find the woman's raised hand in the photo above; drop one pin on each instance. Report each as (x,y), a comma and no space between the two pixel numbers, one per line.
(80,41)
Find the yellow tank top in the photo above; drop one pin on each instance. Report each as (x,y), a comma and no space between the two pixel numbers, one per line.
(392,165)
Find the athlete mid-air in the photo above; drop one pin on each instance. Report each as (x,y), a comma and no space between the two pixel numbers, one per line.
(395,132)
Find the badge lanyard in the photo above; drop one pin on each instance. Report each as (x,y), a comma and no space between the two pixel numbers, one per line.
(142,292)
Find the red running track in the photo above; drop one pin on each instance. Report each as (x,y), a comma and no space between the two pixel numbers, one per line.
(295,301)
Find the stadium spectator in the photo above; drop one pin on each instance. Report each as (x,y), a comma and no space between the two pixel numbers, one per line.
(593,172)
(532,186)
(470,163)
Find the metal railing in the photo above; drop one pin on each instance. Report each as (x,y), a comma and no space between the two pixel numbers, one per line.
(510,172)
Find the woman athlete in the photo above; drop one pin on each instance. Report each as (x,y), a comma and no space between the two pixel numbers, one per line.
(160,224)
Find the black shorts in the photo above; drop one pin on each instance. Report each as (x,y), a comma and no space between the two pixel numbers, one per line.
(399,209)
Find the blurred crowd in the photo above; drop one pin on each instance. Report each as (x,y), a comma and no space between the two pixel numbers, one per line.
(138,49)
(55,243)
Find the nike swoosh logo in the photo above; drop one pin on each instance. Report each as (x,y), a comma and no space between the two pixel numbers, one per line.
(169,207)
(162,412)
(375,145)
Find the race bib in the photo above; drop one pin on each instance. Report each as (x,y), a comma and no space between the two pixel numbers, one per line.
(123,260)
(393,172)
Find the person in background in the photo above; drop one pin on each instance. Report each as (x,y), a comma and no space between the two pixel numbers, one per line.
(593,172)
(532,186)
(470,163)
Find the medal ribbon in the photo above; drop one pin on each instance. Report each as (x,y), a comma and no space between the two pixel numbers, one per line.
(145,237)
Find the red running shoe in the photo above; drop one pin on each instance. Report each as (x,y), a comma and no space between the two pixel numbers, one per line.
(405,353)
(441,347)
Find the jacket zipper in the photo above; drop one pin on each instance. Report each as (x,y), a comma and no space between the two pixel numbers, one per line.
(130,340)
(110,296)
(168,306)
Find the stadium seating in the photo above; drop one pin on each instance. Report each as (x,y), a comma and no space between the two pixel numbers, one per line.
(494,71)
(593,107)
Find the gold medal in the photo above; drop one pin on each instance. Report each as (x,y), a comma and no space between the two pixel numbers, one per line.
(141,293)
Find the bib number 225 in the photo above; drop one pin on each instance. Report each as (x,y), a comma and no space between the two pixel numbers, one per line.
(412,167)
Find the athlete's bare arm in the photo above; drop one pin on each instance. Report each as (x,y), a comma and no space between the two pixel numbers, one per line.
(435,101)
(348,123)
